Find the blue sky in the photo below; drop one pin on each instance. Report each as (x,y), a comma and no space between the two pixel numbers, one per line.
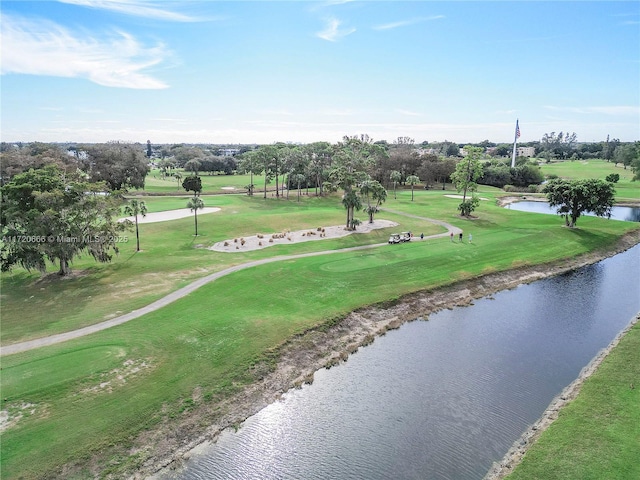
(303,71)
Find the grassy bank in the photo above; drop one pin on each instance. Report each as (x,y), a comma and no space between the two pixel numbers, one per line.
(598,434)
(92,396)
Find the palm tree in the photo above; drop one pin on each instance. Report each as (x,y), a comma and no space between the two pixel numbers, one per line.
(298,178)
(133,209)
(375,194)
(194,204)
(352,203)
(412,180)
(395,177)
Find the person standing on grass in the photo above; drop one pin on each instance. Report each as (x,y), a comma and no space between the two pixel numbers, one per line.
(470,238)
(451,236)
(460,237)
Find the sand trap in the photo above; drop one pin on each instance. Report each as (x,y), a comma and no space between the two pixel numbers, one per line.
(256,243)
(228,188)
(460,196)
(169,215)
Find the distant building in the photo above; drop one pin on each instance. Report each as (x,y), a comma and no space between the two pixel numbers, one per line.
(427,151)
(525,151)
(229,152)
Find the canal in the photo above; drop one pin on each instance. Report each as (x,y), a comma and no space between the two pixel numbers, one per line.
(436,399)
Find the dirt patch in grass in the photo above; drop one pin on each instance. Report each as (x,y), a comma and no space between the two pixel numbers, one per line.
(293,363)
(117,377)
(15,412)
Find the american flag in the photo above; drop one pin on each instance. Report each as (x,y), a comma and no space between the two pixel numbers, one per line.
(517,130)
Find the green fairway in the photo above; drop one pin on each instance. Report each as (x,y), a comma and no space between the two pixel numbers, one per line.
(582,169)
(169,260)
(597,435)
(94,394)
(164,203)
(156,184)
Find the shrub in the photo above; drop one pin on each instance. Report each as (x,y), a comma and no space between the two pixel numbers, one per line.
(613,178)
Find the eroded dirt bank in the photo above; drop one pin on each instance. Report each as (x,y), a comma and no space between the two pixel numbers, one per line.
(168,445)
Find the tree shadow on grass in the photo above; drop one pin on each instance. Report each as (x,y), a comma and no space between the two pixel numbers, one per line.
(593,239)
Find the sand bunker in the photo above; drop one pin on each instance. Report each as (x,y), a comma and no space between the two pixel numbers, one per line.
(264,240)
(461,197)
(170,215)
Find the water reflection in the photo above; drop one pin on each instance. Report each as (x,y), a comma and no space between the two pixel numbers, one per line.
(629,214)
(438,399)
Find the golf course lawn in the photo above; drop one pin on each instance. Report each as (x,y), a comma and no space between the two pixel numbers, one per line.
(626,190)
(598,434)
(211,184)
(86,402)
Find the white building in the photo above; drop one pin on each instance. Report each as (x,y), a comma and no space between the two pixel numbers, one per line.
(525,151)
(229,152)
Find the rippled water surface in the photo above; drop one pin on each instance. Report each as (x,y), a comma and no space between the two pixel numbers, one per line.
(629,214)
(437,399)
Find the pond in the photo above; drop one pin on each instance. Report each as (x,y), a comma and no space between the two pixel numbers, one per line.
(442,398)
(629,214)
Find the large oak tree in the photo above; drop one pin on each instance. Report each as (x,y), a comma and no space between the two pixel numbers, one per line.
(575,197)
(120,165)
(47,215)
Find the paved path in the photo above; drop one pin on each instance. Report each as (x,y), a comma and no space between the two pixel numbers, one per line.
(184,291)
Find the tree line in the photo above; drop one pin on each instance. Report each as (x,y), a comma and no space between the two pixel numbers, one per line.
(58,203)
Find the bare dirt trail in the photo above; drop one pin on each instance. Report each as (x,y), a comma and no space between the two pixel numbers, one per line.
(331,232)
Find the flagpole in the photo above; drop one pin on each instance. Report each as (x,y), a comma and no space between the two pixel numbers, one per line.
(515,141)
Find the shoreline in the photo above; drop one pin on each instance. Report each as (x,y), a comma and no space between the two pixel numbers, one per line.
(518,449)
(299,357)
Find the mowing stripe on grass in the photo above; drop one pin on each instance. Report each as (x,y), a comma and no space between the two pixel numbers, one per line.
(182,292)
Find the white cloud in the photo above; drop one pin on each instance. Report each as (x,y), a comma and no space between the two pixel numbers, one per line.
(605,110)
(332,31)
(341,112)
(278,112)
(405,23)
(220,131)
(409,113)
(45,48)
(140,8)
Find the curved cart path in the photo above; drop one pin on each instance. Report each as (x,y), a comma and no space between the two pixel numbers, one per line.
(184,291)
